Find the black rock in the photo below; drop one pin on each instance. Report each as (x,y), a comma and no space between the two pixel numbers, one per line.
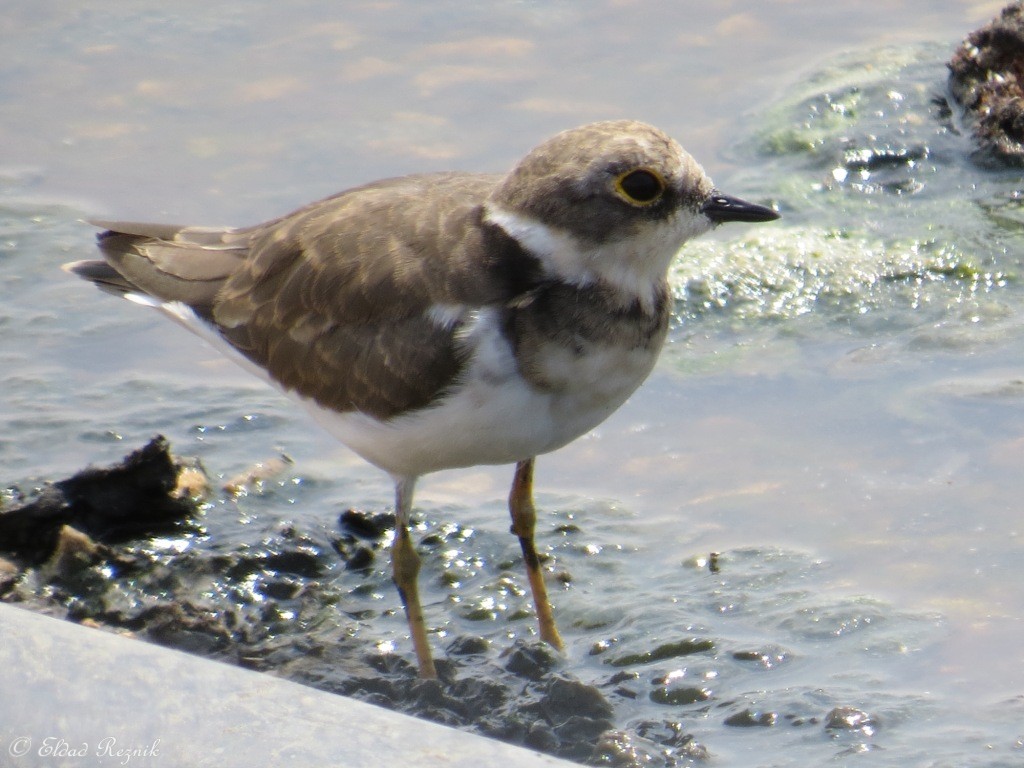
(986,75)
(531,661)
(128,500)
(366,525)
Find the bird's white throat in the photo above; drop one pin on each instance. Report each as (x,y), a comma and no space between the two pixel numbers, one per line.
(634,267)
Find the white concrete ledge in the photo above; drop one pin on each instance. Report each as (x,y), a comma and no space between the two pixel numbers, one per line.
(78,697)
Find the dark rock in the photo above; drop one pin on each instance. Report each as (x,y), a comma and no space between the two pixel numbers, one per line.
(767,658)
(676,695)
(359,559)
(531,661)
(566,699)
(987,80)
(480,695)
(748,718)
(541,736)
(73,552)
(185,629)
(366,525)
(646,747)
(621,677)
(429,694)
(296,562)
(668,733)
(109,505)
(468,645)
(582,730)
(279,589)
(672,650)
(183,626)
(391,664)
(851,719)
(618,749)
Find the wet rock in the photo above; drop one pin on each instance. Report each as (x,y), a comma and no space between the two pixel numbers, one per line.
(851,719)
(136,497)
(280,589)
(468,645)
(392,665)
(798,721)
(532,661)
(987,80)
(618,749)
(621,677)
(675,649)
(73,552)
(476,693)
(559,715)
(290,559)
(748,718)
(768,659)
(365,525)
(567,698)
(541,736)
(579,734)
(186,627)
(652,744)
(618,681)
(429,694)
(297,562)
(668,733)
(675,695)
(573,713)
(360,559)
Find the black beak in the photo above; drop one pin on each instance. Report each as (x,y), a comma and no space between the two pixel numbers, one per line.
(721,208)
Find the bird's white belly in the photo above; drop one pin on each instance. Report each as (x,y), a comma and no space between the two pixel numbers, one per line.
(494,415)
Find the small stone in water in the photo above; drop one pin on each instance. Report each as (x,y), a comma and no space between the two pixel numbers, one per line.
(749,719)
(366,525)
(677,695)
(665,651)
(851,719)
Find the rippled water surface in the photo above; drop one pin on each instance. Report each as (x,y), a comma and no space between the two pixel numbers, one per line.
(838,413)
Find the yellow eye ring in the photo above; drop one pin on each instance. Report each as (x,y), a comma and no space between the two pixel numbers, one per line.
(640,187)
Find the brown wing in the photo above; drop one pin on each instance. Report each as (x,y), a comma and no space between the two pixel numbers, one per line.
(335,300)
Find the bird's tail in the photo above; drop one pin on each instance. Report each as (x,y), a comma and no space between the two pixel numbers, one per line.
(159,264)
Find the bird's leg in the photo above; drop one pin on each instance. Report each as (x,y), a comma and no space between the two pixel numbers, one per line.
(524,519)
(405,567)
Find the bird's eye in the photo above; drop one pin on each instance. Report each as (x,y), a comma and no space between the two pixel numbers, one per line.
(640,187)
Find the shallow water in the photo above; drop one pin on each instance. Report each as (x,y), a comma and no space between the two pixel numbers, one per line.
(839,410)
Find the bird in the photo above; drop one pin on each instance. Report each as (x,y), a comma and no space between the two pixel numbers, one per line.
(453,319)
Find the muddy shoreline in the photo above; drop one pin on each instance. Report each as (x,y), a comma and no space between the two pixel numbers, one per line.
(71,561)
